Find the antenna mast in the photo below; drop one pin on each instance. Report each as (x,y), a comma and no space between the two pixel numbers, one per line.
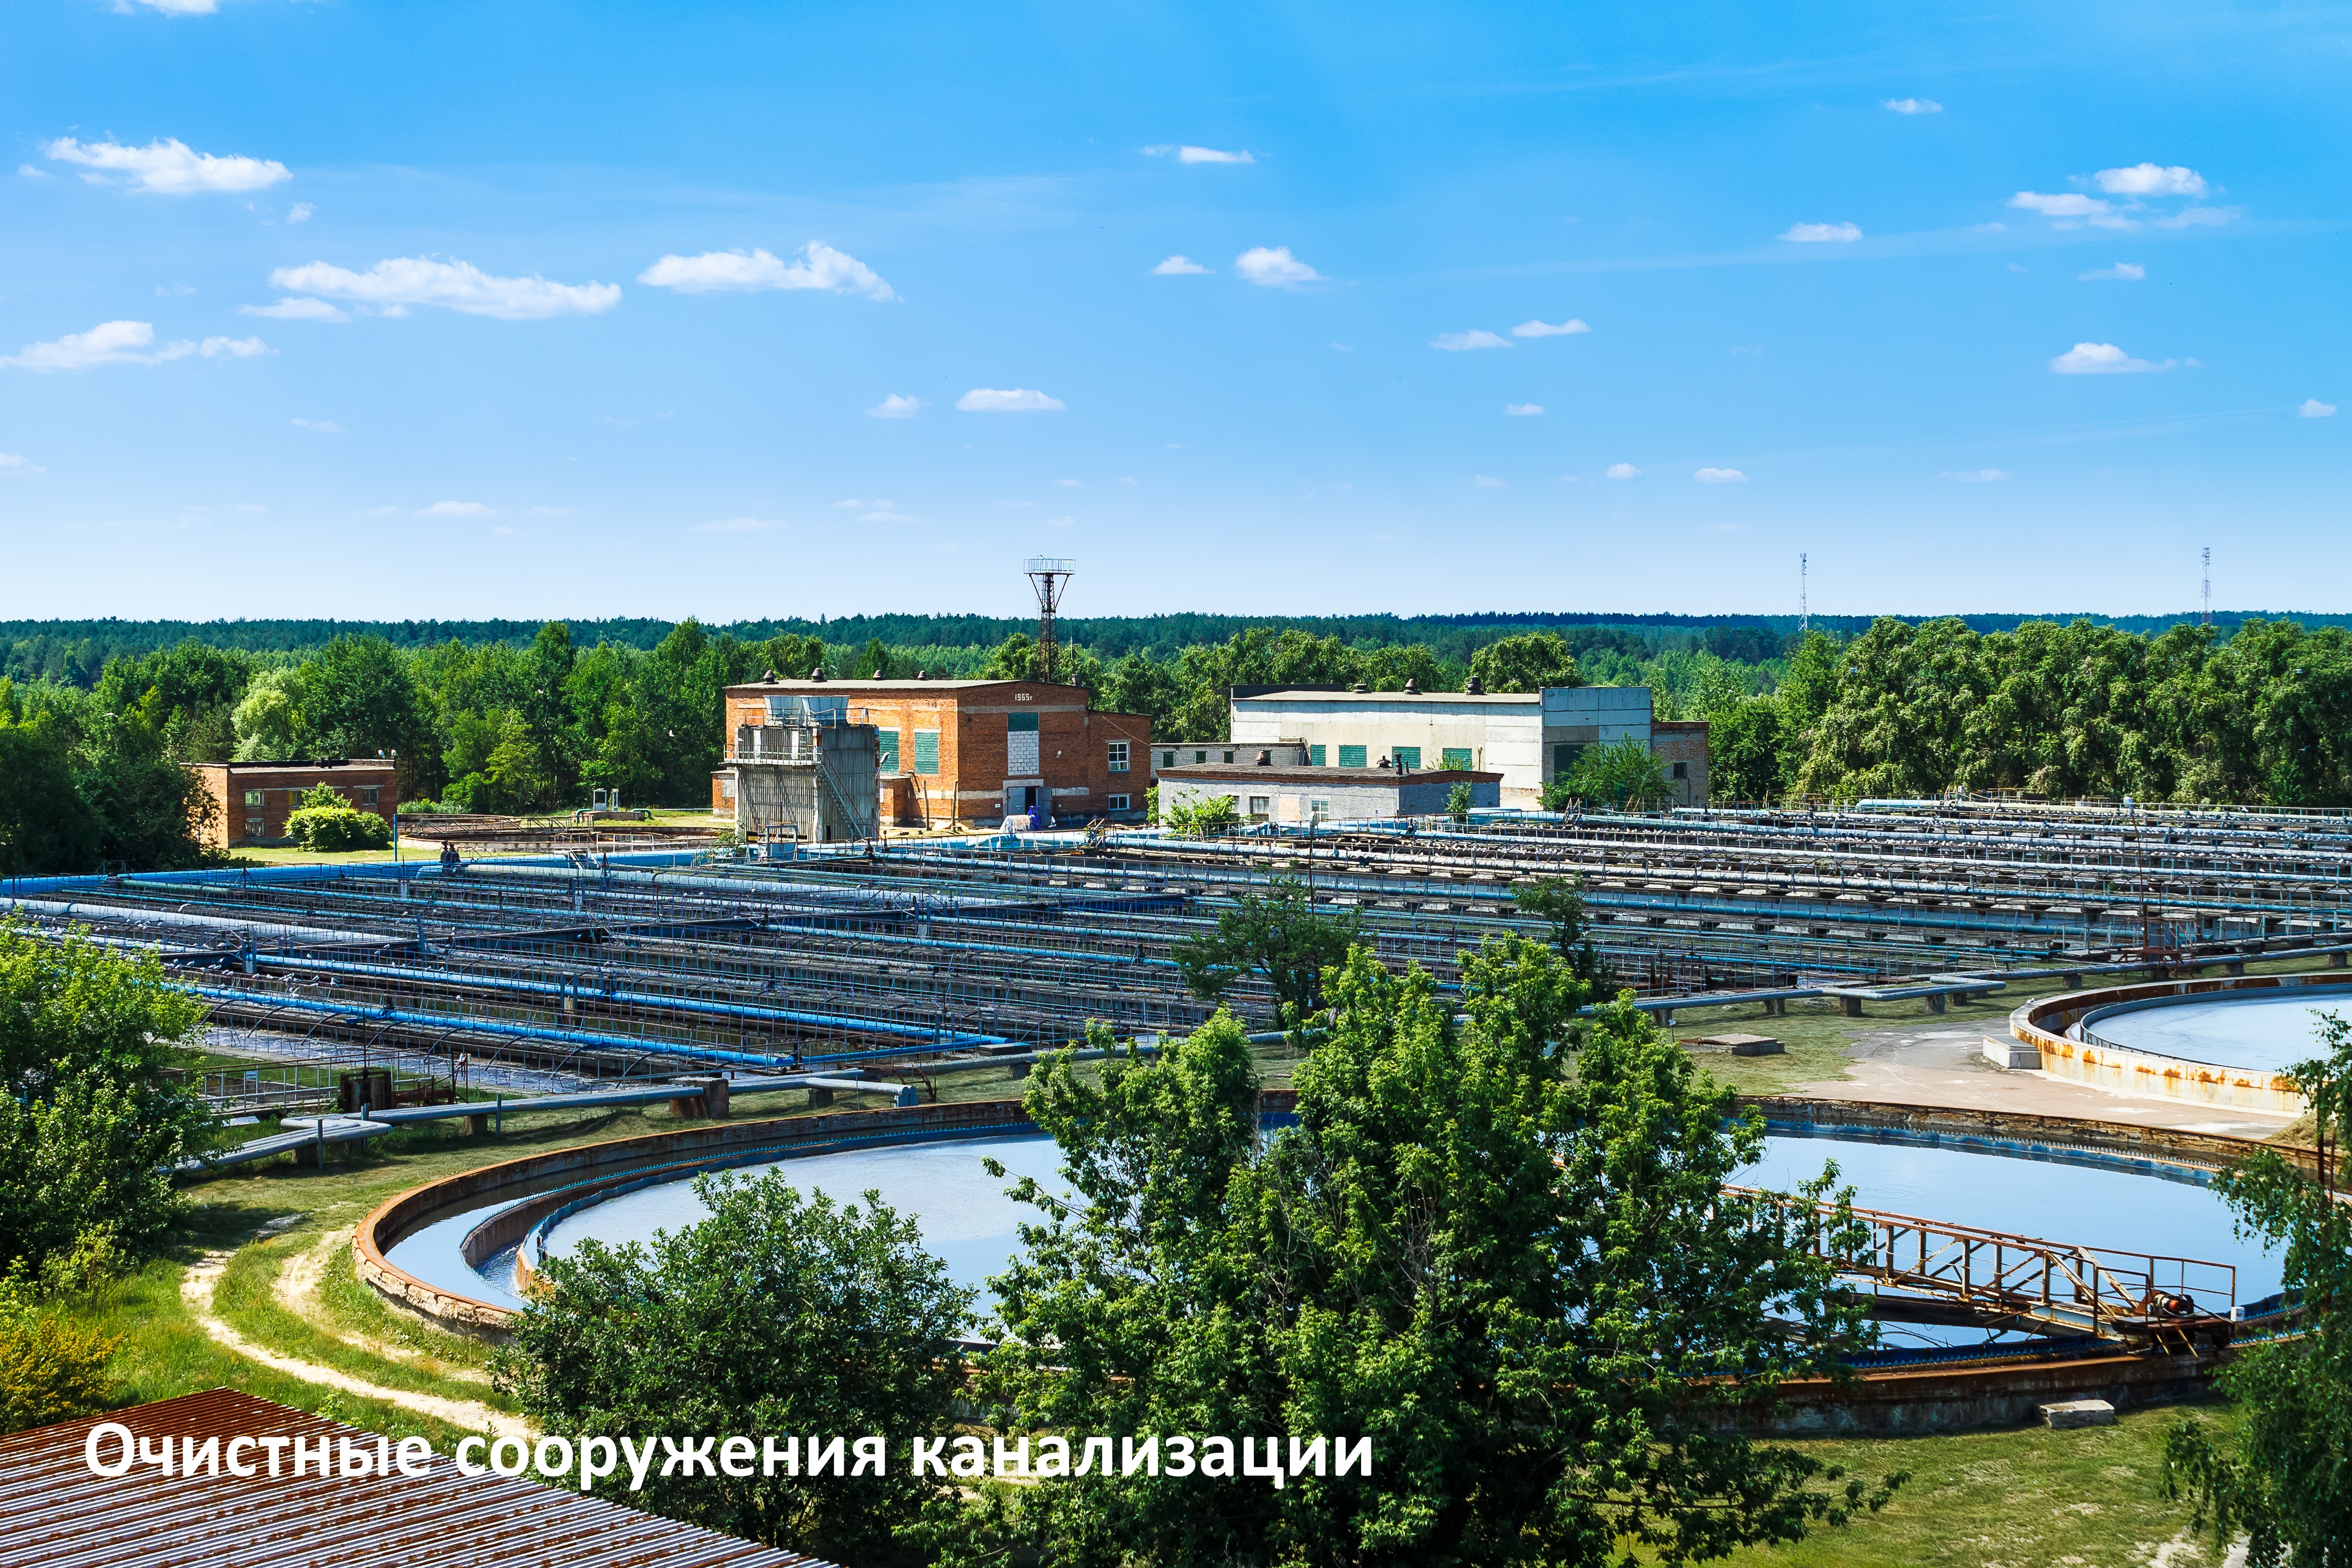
(1804,611)
(1048,574)
(2207,618)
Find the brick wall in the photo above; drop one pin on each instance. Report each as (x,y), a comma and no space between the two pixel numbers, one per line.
(1684,742)
(238,820)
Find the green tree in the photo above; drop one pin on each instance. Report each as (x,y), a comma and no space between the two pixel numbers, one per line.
(1137,683)
(1624,773)
(266,721)
(1513,1266)
(89,1126)
(2287,1480)
(776,1314)
(1746,750)
(628,758)
(1018,658)
(1457,803)
(1559,903)
(1525,663)
(46,825)
(1278,935)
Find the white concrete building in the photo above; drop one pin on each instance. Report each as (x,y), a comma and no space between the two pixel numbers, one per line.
(1529,737)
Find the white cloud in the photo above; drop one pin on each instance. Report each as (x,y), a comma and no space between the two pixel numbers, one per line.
(1975,475)
(1823,233)
(299,213)
(2198,217)
(720,271)
(884,512)
(2149,180)
(1523,409)
(2101,359)
(1622,471)
(1485,482)
(1462,342)
(2014,267)
(379,512)
(1179,267)
(1009,399)
(296,307)
(125,344)
(181,7)
(1915,106)
(1545,330)
(2122,272)
(2314,409)
(1061,522)
(853,502)
(1071,483)
(169,167)
(174,290)
(1272,266)
(29,173)
(2065,204)
(897,405)
(393,285)
(14,466)
(1185,154)
(323,426)
(1720,476)
(737,526)
(458,509)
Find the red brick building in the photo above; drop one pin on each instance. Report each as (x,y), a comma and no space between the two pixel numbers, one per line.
(971,751)
(1680,746)
(251,800)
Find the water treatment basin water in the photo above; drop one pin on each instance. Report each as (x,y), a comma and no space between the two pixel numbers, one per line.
(2266,1031)
(969,1222)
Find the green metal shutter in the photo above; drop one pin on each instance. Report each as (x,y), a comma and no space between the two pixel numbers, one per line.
(1406,755)
(1315,757)
(1352,757)
(885,743)
(1457,757)
(927,751)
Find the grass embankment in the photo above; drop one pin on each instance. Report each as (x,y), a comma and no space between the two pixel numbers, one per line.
(2012,1497)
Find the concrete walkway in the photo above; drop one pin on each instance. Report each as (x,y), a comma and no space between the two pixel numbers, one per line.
(1943,1064)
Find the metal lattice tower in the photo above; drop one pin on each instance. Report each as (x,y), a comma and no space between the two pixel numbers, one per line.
(1048,574)
(2206,617)
(1804,614)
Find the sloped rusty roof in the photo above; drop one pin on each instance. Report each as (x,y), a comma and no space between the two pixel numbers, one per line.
(55,1513)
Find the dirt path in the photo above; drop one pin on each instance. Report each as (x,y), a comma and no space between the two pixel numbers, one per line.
(196,1291)
(297,1288)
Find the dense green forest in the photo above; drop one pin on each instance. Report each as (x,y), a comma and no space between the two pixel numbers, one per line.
(2258,712)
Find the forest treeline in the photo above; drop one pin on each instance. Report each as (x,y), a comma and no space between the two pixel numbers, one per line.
(89,773)
(75,652)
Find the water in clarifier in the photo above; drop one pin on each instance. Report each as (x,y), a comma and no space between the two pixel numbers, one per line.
(967,1219)
(2265,1032)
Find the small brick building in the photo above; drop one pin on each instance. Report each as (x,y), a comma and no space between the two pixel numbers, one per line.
(973,751)
(251,800)
(1680,746)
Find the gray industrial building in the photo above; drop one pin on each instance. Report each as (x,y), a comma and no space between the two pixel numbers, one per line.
(812,778)
(1268,792)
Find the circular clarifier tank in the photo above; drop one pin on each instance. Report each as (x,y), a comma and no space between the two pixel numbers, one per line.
(2267,1031)
(969,1220)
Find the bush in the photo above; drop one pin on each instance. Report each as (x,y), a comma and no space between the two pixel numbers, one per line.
(331,829)
(50,1369)
(1210,815)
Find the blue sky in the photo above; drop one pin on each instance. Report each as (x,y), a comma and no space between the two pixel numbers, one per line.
(342,307)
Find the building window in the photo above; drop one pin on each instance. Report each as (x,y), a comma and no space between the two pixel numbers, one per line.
(1259,805)
(885,745)
(1563,761)
(253,799)
(1166,759)
(1407,755)
(927,751)
(1682,769)
(253,828)
(1315,757)
(370,794)
(727,788)
(1021,755)
(1352,757)
(1229,756)
(1319,809)
(1200,756)
(1118,757)
(1118,803)
(1457,759)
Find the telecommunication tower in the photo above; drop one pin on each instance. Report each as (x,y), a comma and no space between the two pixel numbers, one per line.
(2206,618)
(1048,574)
(1804,612)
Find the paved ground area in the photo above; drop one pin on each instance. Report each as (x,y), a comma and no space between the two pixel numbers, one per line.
(1940,1064)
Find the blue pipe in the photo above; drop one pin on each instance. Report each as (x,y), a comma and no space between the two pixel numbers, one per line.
(641,998)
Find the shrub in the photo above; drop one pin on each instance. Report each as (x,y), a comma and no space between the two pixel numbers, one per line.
(51,1369)
(1212,814)
(331,829)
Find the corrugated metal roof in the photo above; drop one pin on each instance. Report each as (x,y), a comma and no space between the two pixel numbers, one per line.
(55,1514)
